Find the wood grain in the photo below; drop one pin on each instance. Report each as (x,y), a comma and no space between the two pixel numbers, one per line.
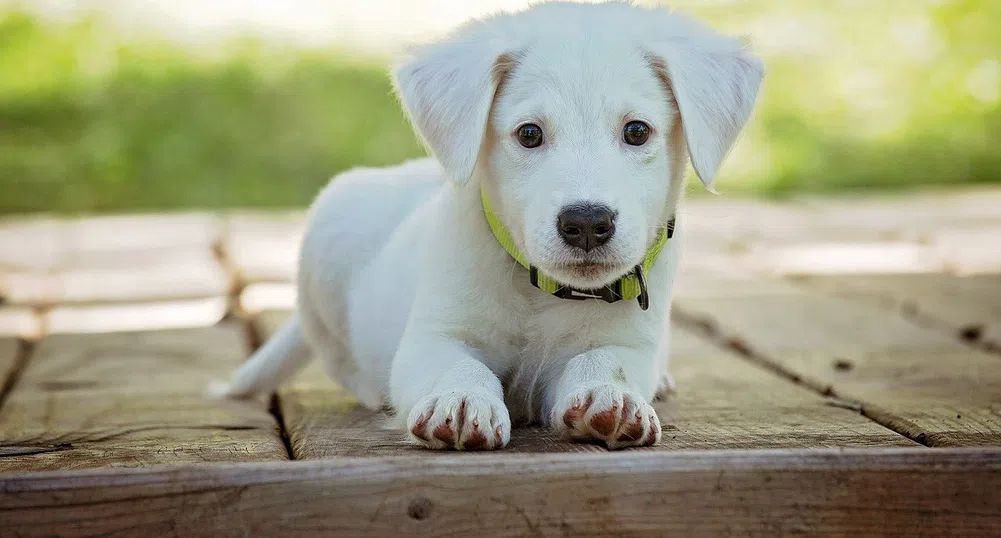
(725,402)
(722,402)
(969,307)
(889,492)
(131,399)
(920,382)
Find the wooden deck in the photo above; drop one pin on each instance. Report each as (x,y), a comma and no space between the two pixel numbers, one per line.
(838,364)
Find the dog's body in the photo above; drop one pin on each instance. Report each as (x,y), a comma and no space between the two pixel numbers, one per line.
(406,294)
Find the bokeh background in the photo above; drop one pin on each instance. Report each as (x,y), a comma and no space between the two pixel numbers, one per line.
(128,105)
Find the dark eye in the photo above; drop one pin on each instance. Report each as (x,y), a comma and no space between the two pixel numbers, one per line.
(530,135)
(635,133)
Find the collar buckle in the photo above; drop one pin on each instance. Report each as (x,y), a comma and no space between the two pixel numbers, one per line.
(644,297)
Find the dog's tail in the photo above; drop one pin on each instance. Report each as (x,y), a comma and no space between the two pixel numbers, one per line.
(281,357)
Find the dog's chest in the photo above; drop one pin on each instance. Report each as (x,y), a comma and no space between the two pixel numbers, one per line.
(548,329)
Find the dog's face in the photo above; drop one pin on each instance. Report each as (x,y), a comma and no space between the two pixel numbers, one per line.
(577,119)
(578,157)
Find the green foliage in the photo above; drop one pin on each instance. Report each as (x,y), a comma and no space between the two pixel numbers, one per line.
(858,95)
(864,95)
(94,126)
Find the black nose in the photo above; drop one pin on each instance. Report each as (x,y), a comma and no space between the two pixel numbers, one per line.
(586,226)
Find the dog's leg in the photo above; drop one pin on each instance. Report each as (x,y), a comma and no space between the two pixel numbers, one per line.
(597,399)
(451,400)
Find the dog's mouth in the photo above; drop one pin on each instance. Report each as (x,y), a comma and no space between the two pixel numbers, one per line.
(590,270)
(589,274)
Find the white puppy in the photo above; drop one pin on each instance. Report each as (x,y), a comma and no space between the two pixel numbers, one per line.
(561,135)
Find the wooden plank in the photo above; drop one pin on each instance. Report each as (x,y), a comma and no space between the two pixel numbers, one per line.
(922,383)
(132,399)
(43,243)
(893,492)
(264,296)
(184,274)
(906,216)
(725,402)
(970,251)
(970,307)
(33,243)
(107,318)
(264,247)
(722,402)
(20,321)
(841,257)
(927,232)
(10,349)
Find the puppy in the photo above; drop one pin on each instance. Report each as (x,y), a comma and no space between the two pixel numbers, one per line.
(522,275)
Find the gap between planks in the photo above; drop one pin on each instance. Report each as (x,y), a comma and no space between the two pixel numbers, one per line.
(711,332)
(924,384)
(914,304)
(253,335)
(12,375)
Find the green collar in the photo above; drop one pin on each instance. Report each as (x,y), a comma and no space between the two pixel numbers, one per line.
(630,286)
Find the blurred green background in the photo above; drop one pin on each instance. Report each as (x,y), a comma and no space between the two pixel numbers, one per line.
(859,95)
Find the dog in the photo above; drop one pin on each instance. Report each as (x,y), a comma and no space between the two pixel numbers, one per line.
(522,274)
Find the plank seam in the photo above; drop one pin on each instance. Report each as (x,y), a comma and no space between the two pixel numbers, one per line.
(709,330)
(970,334)
(24,352)
(276,411)
(254,341)
(254,338)
(236,284)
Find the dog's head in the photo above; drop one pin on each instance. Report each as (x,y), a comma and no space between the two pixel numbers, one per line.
(579,120)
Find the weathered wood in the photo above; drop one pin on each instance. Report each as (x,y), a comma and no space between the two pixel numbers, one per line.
(106,318)
(20,321)
(10,349)
(904,216)
(131,399)
(722,402)
(30,243)
(725,402)
(184,274)
(922,383)
(974,250)
(893,492)
(264,246)
(40,244)
(263,296)
(970,307)
(844,257)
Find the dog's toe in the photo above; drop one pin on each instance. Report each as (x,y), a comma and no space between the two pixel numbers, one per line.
(460,421)
(607,414)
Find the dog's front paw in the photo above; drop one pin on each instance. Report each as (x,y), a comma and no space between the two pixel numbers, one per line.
(606,413)
(461,421)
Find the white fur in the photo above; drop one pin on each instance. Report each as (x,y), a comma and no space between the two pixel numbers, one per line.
(408,298)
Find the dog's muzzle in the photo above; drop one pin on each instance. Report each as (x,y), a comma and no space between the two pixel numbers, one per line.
(632,285)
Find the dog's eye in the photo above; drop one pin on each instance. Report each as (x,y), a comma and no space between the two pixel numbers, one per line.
(530,135)
(636,133)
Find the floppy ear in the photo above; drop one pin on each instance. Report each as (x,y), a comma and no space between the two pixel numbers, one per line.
(715,83)
(447,90)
